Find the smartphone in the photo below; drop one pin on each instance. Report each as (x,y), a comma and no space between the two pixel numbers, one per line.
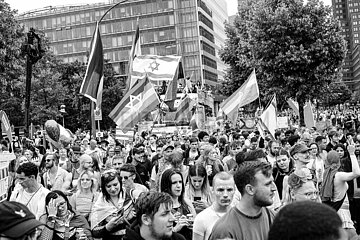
(197,199)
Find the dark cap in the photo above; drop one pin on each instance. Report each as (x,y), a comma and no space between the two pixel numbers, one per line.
(298,148)
(16,220)
(76,149)
(138,150)
(168,146)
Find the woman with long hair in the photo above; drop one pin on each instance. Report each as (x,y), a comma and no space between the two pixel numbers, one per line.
(283,167)
(113,209)
(87,163)
(316,163)
(198,189)
(172,183)
(334,188)
(212,163)
(86,194)
(62,222)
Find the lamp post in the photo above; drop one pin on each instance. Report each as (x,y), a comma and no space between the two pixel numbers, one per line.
(63,112)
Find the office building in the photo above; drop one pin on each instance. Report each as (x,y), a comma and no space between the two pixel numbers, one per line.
(191,28)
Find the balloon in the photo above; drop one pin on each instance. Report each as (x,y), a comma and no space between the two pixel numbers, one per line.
(52,130)
(66,137)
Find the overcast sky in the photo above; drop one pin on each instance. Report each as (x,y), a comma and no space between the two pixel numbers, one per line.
(26,5)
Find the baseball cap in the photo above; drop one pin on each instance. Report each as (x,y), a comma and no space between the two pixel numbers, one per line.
(298,148)
(138,150)
(168,146)
(16,219)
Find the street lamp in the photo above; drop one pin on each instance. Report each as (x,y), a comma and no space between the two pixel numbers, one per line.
(63,112)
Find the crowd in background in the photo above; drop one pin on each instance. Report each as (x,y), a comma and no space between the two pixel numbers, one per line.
(99,188)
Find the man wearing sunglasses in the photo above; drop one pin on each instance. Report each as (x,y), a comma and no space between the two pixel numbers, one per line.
(129,176)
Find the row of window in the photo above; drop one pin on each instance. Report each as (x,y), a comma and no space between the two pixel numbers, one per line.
(208,62)
(113,27)
(150,7)
(205,33)
(353,4)
(115,41)
(210,75)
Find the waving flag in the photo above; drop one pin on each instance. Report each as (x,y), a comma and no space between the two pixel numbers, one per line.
(269,117)
(94,71)
(183,111)
(294,105)
(140,100)
(158,68)
(134,52)
(246,94)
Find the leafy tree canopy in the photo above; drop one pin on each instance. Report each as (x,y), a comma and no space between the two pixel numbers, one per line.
(296,48)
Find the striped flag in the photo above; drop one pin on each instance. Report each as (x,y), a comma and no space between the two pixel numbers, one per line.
(246,94)
(269,117)
(183,111)
(309,115)
(140,100)
(134,52)
(94,71)
(158,68)
(6,125)
(294,105)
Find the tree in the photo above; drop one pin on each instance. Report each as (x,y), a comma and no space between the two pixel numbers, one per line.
(296,49)
(11,64)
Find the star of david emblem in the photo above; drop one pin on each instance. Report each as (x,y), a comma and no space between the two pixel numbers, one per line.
(135,102)
(154,65)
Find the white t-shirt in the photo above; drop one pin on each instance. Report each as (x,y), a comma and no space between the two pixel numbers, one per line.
(34,201)
(205,221)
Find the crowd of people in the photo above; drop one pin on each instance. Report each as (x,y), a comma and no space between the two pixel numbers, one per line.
(233,184)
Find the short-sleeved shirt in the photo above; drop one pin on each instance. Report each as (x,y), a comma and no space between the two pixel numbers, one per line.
(236,225)
(205,221)
(34,201)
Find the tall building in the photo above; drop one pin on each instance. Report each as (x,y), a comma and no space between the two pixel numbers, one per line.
(191,28)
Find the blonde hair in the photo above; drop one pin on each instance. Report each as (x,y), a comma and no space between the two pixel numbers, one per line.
(91,175)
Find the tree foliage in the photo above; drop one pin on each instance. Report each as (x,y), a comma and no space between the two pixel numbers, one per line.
(53,82)
(296,48)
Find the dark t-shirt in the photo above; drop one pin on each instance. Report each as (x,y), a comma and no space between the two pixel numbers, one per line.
(236,225)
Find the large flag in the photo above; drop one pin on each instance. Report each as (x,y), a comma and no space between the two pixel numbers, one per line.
(294,105)
(246,94)
(170,94)
(134,52)
(183,111)
(309,115)
(140,100)
(269,118)
(94,71)
(158,68)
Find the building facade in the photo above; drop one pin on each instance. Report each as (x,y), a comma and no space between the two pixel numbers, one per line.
(193,29)
(348,14)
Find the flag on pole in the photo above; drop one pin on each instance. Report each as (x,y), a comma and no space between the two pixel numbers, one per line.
(140,100)
(246,94)
(269,118)
(294,105)
(183,111)
(157,68)
(170,94)
(94,71)
(134,52)
(309,115)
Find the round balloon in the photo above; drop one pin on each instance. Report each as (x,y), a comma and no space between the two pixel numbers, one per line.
(52,130)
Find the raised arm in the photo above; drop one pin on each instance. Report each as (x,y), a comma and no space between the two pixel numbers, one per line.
(348,176)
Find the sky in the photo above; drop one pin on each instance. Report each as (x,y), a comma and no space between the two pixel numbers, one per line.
(26,5)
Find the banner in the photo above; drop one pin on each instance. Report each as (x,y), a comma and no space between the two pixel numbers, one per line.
(5,159)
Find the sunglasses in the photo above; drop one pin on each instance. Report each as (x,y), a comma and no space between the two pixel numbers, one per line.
(49,160)
(127,177)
